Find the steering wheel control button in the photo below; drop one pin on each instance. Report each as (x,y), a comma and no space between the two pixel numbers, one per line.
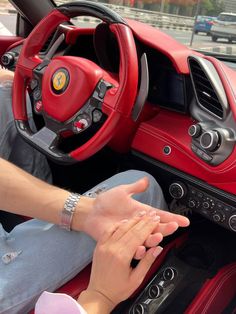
(82,122)
(38,106)
(37,94)
(195,130)
(96,115)
(33,84)
(155,291)
(169,274)
(60,81)
(79,125)
(102,89)
(177,190)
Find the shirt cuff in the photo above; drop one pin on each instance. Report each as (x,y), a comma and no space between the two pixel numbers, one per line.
(57,303)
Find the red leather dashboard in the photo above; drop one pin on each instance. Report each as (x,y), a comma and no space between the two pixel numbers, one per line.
(171,128)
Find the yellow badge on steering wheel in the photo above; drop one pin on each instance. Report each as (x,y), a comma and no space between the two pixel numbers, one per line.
(59,80)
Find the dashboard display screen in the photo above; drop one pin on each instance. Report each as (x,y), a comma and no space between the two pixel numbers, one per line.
(167,89)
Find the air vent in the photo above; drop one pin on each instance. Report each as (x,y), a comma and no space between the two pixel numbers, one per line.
(206,93)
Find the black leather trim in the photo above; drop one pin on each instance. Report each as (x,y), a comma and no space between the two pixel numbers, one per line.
(88,8)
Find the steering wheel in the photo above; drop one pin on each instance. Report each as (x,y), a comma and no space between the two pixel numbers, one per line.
(71,92)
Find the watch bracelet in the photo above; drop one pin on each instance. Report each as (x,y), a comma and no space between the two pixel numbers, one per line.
(68,210)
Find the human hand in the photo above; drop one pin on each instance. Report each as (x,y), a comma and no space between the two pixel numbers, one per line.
(6,75)
(117,204)
(112,278)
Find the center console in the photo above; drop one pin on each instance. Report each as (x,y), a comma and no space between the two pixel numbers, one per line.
(169,283)
(192,276)
(204,203)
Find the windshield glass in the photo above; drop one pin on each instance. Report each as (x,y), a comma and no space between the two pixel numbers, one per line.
(205,25)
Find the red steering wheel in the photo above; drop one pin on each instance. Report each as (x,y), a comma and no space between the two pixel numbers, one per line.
(71,92)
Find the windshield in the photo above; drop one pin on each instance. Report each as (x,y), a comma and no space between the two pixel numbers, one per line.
(205,25)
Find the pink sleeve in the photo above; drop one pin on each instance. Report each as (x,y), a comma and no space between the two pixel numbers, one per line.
(57,303)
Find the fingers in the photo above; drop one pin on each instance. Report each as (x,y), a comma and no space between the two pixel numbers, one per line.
(107,234)
(170,217)
(166,228)
(165,216)
(154,239)
(144,265)
(140,252)
(137,235)
(137,187)
(125,226)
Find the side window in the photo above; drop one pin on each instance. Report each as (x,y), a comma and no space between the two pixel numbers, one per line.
(7,18)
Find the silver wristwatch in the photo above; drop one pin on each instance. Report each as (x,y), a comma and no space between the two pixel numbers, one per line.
(68,210)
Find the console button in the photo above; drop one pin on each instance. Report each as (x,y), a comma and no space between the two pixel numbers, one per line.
(138,309)
(192,203)
(210,140)
(177,190)
(232,222)
(206,205)
(169,274)
(155,291)
(194,130)
(218,216)
(206,157)
(37,94)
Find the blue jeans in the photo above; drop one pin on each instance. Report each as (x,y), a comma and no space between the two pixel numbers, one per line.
(36,255)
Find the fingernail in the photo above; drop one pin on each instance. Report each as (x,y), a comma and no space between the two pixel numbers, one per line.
(157,251)
(157,218)
(142,213)
(152,213)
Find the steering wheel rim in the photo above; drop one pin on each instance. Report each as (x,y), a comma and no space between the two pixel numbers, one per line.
(117,103)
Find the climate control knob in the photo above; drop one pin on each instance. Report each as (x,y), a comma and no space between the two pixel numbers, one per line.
(195,130)
(210,140)
(177,190)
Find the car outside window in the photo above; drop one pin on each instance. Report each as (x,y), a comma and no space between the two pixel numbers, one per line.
(227,18)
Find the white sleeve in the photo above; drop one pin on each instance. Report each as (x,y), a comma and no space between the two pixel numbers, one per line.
(57,303)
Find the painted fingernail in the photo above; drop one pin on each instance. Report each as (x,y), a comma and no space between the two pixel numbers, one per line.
(157,251)
(142,213)
(156,218)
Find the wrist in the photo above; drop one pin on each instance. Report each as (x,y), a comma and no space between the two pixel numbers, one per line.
(82,210)
(95,302)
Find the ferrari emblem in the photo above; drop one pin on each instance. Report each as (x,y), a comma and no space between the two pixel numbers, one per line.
(60,80)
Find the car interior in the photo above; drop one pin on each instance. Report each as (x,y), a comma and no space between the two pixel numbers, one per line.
(135,98)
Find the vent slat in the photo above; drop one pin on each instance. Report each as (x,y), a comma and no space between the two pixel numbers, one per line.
(205,92)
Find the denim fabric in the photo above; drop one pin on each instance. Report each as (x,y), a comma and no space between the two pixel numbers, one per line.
(12,146)
(37,256)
